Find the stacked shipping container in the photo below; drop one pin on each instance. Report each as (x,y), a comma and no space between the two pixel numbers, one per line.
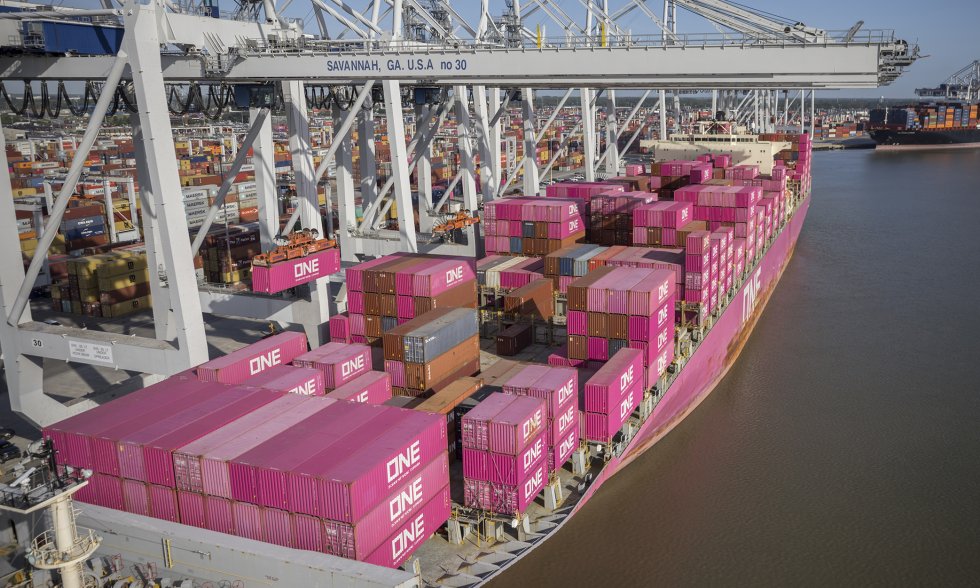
(432,350)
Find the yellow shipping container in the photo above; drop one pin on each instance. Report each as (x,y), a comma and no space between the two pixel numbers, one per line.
(127,307)
(120,281)
(88,295)
(122,265)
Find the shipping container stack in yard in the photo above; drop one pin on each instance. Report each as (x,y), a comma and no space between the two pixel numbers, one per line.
(559,388)
(107,285)
(535,227)
(391,290)
(430,351)
(504,453)
(268,459)
(615,308)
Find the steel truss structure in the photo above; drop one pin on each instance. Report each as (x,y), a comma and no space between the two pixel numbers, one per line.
(425,50)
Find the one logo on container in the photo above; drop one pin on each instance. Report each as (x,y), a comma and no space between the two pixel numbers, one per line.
(404,541)
(533,453)
(751,294)
(264,361)
(454,275)
(566,391)
(532,424)
(626,408)
(533,483)
(307,388)
(626,380)
(305,269)
(352,366)
(405,501)
(404,461)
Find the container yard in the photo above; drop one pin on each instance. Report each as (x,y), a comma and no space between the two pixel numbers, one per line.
(476,304)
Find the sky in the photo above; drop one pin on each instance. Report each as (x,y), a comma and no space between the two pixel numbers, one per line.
(946,30)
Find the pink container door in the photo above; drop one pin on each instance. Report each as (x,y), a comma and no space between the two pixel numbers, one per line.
(308,533)
(191,505)
(135,497)
(163,503)
(219,515)
(248,520)
(277,527)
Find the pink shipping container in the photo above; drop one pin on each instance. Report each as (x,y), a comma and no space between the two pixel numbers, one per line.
(351,488)
(103,490)
(577,322)
(502,498)
(289,482)
(277,527)
(148,455)
(558,387)
(475,424)
(514,427)
(502,468)
(136,500)
(396,370)
(561,451)
(238,366)
(355,303)
(291,447)
(371,388)
(73,437)
(308,533)
(559,427)
(605,390)
(290,379)
(108,457)
(191,469)
(339,363)
(294,272)
(397,548)
(358,540)
(248,520)
(601,427)
(340,323)
(441,276)
(219,515)
(191,508)
(163,503)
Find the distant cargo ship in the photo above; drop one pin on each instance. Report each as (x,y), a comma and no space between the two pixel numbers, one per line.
(935,125)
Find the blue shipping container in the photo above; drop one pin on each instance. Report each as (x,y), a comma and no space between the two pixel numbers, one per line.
(73,37)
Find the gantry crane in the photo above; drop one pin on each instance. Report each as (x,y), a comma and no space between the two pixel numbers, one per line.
(963,85)
(387,53)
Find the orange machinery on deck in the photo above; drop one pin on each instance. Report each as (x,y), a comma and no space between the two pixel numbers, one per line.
(297,244)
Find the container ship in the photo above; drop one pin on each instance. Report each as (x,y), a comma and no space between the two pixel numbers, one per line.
(926,125)
(950,120)
(464,409)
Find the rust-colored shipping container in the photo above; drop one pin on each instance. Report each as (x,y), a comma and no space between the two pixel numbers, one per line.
(596,322)
(577,290)
(422,377)
(536,299)
(514,339)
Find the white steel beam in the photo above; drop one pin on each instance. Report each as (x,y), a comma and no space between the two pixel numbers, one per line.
(588,133)
(346,212)
(399,164)
(297,119)
(494,137)
(367,157)
(259,116)
(677,66)
(612,136)
(423,168)
(482,129)
(530,145)
(24,374)
(142,45)
(264,161)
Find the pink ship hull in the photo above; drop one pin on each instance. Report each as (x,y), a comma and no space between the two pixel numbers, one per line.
(716,354)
